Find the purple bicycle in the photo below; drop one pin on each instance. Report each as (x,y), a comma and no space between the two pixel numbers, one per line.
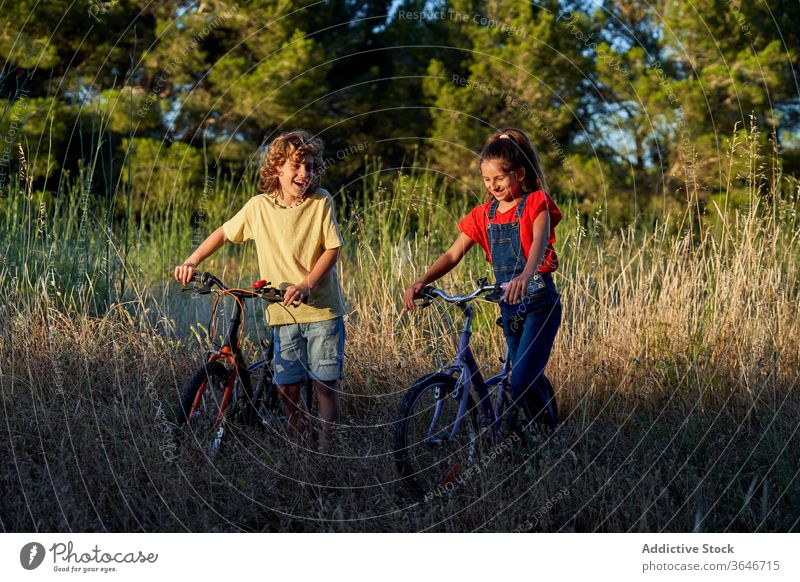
(440,428)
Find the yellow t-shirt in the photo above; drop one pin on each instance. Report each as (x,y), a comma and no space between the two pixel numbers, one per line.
(289,241)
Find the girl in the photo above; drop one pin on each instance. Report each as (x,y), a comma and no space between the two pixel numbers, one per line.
(516,229)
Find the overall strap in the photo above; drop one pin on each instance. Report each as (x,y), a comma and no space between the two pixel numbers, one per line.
(493,210)
(521,206)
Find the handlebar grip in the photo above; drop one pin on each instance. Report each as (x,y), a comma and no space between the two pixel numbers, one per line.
(198,276)
(427,296)
(205,279)
(495,295)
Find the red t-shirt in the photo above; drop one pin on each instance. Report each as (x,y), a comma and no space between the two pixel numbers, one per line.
(474,226)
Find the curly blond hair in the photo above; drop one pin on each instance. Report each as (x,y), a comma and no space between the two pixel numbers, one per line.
(295,146)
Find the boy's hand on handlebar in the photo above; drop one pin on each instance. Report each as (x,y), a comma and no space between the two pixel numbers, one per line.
(516,289)
(413,292)
(295,294)
(185,272)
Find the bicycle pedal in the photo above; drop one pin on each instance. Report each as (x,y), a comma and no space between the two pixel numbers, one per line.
(452,474)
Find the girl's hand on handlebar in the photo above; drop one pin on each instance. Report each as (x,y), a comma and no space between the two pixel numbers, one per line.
(413,292)
(295,294)
(516,289)
(184,272)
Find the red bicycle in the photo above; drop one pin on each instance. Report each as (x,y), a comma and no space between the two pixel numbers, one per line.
(220,390)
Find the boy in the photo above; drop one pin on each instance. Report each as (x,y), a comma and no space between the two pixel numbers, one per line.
(297,240)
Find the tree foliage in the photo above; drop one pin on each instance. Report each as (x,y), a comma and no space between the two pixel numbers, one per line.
(628,101)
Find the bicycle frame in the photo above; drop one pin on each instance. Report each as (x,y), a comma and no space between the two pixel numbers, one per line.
(224,365)
(228,352)
(470,378)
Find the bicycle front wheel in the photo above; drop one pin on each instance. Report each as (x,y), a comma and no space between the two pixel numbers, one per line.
(202,411)
(550,406)
(432,459)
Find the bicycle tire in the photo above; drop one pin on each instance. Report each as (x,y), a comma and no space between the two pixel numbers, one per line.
(551,403)
(547,414)
(429,463)
(206,435)
(267,403)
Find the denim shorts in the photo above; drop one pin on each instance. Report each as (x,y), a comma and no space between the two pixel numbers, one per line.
(309,350)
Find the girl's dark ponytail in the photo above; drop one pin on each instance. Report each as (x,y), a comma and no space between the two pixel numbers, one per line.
(513,148)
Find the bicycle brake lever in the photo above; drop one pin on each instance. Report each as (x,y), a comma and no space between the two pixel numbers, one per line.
(271,294)
(198,290)
(427,299)
(495,295)
(203,290)
(205,279)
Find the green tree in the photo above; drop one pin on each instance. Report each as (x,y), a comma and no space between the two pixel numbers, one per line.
(693,72)
(516,67)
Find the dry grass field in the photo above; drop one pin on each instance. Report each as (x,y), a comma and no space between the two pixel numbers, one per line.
(676,371)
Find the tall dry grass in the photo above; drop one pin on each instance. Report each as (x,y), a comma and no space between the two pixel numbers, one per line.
(675,368)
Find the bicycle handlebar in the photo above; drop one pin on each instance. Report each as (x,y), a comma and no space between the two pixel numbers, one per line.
(207,280)
(430,293)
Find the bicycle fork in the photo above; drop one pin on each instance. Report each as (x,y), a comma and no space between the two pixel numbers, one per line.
(469,378)
(227,395)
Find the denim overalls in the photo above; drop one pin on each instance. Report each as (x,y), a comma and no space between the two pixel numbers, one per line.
(531,325)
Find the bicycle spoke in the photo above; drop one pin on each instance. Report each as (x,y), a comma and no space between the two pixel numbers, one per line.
(431,454)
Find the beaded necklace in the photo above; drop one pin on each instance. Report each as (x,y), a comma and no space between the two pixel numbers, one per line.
(295,205)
